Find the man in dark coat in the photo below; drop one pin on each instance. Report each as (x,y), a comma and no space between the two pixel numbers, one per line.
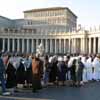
(2,73)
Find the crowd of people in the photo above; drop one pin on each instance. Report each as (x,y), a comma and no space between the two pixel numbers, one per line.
(35,72)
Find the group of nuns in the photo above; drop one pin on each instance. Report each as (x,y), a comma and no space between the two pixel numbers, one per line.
(18,70)
(56,70)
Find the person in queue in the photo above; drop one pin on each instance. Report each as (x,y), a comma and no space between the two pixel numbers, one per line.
(2,79)
(37,68)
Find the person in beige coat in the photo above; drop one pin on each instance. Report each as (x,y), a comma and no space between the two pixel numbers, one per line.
(36,73)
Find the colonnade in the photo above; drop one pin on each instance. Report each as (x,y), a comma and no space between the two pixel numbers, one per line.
(30,45)
(52,45)
(94,45)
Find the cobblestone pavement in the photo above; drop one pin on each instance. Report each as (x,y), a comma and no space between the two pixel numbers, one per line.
(89,91)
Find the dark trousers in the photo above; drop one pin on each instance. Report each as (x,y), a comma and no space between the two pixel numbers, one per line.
(36,82)
(2,82)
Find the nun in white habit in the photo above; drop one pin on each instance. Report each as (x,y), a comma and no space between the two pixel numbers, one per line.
(69,66)
(96,65)
(89,69)
(84,61)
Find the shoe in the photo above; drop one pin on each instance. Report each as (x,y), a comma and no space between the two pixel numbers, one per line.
(6,94)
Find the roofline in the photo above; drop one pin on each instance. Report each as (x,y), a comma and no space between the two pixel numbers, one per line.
(5,18)
(72,12)
(51,8)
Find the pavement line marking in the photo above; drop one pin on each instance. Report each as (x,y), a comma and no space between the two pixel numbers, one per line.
(21,98)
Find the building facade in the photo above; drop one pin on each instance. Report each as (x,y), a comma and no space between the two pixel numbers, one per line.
(41,26)
(59,19)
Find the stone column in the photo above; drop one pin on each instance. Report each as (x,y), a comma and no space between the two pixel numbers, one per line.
(51,50)
(72,48)
(75,48)
(98,44)
(13,44)
(46,45)
(60,49)
(8,44)
(18,45)
(55,46)
(86,45)
(27,45)
(89,45)
(64,45)
(32,47)
(73,45)
(94,45)
(36,43)
(82,45)
(3,44)
(23,45)
(69,42)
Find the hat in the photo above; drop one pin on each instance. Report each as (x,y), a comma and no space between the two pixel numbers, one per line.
(60,59)
(50,59)
(65,58)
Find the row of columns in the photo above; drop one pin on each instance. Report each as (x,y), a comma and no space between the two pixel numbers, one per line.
(85,45)
(74,45)
(94,45)
(50,45)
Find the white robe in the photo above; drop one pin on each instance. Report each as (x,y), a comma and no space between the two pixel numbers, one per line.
(68,74)
(85,69)
(89,69)
(96,65)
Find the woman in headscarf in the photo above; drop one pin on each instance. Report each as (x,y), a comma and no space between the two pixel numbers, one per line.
(53,70)
(20,73)
(62,69)
(11,77)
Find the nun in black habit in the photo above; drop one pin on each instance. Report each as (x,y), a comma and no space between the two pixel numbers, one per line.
(11,76)
(20,73)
